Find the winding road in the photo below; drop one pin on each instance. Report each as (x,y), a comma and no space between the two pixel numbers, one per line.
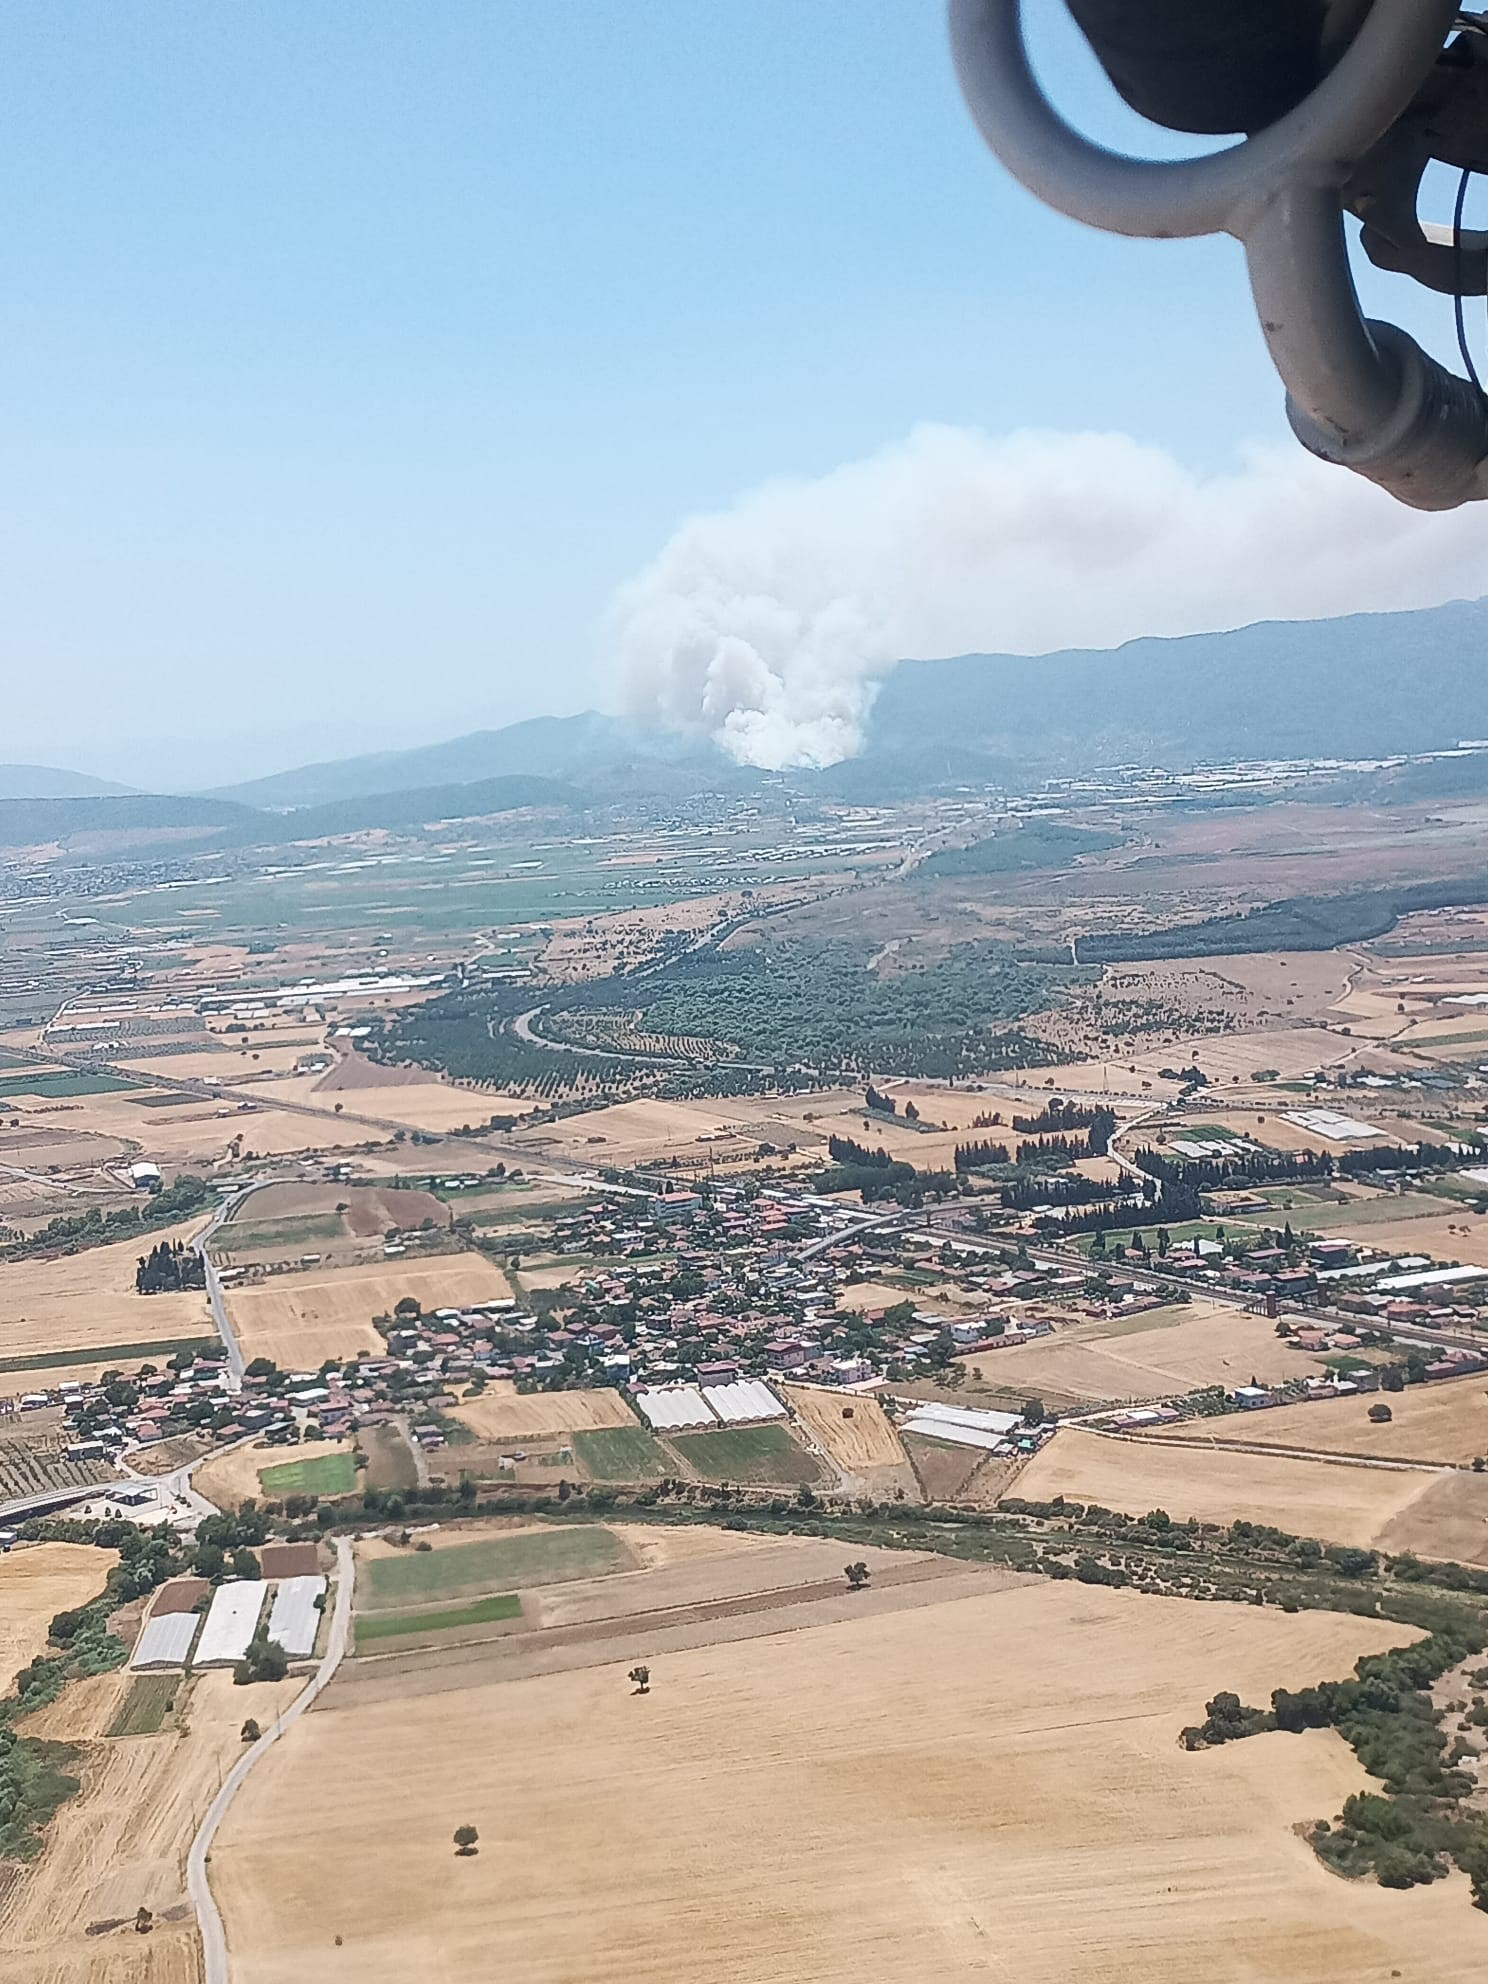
(198,1887)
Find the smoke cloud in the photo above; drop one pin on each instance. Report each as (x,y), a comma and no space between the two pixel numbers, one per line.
(768,626)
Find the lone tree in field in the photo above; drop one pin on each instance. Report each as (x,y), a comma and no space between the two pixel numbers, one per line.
(1380,1413)
(857,1575)
(144,1921)
(642,1678)
(465,1841)
(250,1731)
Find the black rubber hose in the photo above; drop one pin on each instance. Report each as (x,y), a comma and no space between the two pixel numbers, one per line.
(1212,66)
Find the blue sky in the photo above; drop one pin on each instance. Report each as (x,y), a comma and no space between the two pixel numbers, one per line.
(354,353)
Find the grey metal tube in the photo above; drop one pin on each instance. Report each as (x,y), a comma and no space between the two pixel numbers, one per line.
(1349,110)
(1335,374)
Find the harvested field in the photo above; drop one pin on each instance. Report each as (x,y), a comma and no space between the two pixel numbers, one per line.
(1337,1503)
(121,1843)
(1440,1422)
(814,1836)
(941,1471)
(429,1104)
(857,1436)
(1151,1355)
(463,1568)
(502,1413)
(231,1478)
(38,1580)
(79,1300)
(300,1319)
(742,1454)
(1449,1520)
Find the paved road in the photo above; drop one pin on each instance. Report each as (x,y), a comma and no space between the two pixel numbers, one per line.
(198,1887)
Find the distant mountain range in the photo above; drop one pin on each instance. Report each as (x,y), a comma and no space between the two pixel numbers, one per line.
(1370,685)
(45,782)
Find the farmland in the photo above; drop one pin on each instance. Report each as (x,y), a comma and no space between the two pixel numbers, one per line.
(297,1320)
(500,1412)
(121,1843)
(1427,1423)
(747,1454)
(35,1583)
(31,1464)
(810,1830)
(235,1475)
(406,1625)
(1335,1503)
(622,1453)
(1150,1355)
(73,1303)
(330,1474)
(459,1568)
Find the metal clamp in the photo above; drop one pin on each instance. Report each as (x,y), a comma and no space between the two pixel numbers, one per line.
(1359,393)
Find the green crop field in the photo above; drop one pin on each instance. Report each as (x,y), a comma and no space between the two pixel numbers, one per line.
(622,1453)
(396,1625)
(287,1233)
(747,1453)
(150,1700)
(538,1556)
(53,1086)
(128,1356)
(331,1474)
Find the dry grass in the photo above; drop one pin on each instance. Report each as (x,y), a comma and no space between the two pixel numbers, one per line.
(1336,1503)
(38,1580)
(1147,1356)
(927,1793)
(299,1320)
(1440,1422)
(864,1445)
(84,1299)
(121,1843)
(502,1413)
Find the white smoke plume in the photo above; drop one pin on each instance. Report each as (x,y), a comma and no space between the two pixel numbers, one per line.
(768,625)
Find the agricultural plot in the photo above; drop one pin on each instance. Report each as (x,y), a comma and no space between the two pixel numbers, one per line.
(236,1476)
(298,1320)
(419,1625)
(1335,1503)
(809,1834)
(328,1474)
(77,1302)
(1158,1354)
(121,1843)
(622,1453)
(743,1454)
(460,1569)
(500,1412)
(32,1466)
(1440,1422)
(858,1438)
(150,1702)
(36,1582)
